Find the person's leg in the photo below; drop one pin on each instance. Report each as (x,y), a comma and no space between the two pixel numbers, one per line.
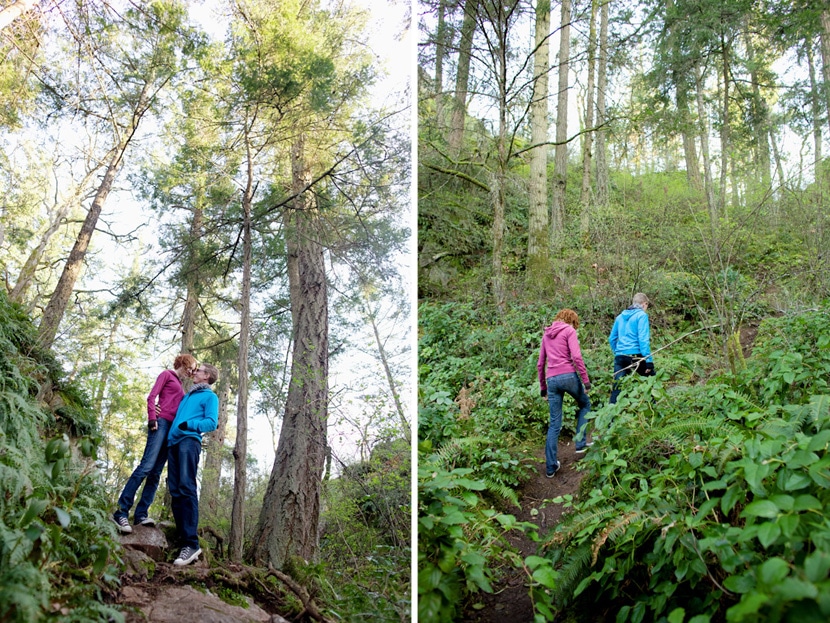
(584,404)
(621,368)
(151,484)
(555,395)
(173,478)
(189,451)
(155,440)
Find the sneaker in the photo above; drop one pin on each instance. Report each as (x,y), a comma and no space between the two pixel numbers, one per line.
(584,448)
(123,524)
(187,555)
(147,521)
(553,473)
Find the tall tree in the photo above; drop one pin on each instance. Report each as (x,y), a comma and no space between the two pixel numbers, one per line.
(155,34)
(602,87)
(560,171)
(462,77)
(537,231)
(585,190)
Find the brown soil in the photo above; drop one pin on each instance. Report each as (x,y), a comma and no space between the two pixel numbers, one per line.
(510,600)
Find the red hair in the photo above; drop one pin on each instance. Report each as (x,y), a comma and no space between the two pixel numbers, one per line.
(569,316)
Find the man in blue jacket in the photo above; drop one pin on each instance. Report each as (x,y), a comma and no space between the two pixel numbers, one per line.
(630,340)
(198,413)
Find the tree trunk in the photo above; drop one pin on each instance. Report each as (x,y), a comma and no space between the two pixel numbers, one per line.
(462,77)
(14,10)
(825,56)
(191,304)
(815,106)
(724,128)
(538,264)
(405,428)
(708,183)
(240,451)
(214,444)
(587,143)
(53,314)
(440,52)
(762,130)
(560,171)
(288,523)
(497,191)
(602,85)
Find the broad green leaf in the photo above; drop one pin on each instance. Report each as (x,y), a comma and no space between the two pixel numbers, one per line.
(773,571)
(761,508)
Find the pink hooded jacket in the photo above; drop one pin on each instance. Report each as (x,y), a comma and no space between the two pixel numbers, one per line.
(560,350)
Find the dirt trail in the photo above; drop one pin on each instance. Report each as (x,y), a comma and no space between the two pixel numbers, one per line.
(510,600)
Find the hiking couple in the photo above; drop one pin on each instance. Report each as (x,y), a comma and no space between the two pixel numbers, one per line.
(175,424)
(562,370)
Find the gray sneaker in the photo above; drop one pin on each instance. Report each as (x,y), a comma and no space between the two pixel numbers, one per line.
(584,448)
(553,473)
(187,555)
(123,524)
(147,521)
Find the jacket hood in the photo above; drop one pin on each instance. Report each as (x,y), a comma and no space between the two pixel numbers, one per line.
(632,311)
(556,328)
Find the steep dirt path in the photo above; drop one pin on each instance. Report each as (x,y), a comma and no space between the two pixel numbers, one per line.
(510,601)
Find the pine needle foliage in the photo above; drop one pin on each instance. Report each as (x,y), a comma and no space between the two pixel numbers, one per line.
(57,552)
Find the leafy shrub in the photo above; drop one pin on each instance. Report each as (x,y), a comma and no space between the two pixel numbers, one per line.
(56,543)
(705,503)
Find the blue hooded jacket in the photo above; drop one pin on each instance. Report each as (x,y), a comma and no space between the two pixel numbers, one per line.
(200,409)
(631,334)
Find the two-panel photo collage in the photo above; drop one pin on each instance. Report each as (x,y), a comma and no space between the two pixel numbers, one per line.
(429,311)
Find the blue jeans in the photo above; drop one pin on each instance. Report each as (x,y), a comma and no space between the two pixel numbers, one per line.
(181,480)
(150,467)
(623,366)
(558,386)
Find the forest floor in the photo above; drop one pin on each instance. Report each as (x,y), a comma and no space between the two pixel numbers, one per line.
(510,600)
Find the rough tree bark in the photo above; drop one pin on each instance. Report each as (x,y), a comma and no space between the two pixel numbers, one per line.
(288,523)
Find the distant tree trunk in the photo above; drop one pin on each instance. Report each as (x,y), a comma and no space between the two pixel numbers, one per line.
(405,428)
(762,130)
(560,172)
(724,128)
(440,52)
(191,304)
(240,451)
(602,85)
(27,273)
(815,106)
(462,77)
(704,149)
(53,314)
(825,56)
(214,444)
(538,262)
(14,10)
(587,143)
(288,523)
(498,179)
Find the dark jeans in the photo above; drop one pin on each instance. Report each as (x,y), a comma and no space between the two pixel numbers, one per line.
(150,467)
(558,386)
(181,480)
(623,366)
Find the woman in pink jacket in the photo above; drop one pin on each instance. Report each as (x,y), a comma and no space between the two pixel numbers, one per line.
(162,404)
(561,371)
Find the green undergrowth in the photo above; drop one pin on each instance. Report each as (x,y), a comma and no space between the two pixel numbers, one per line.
(57,553)
(707,502)
(704,498)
